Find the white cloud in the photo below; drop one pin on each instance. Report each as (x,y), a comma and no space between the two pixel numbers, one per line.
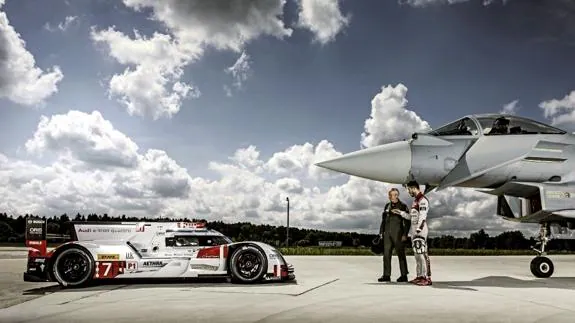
(152,84)
(510,108)
(152,88)
(240,71)
(390,119)
(86,137)
(425,3)
(560,111)
(62,26)
(222,24)
(323,18)
(97,168)
(21,81)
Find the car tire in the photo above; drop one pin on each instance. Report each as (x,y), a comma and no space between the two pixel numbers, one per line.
(243,264)
(79,261)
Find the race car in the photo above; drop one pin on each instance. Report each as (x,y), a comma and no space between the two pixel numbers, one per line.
(110,250)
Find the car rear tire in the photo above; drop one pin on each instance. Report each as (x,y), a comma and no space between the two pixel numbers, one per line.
(248,265)
(73,267)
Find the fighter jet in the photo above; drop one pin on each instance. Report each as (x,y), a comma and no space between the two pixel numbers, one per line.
(525,163)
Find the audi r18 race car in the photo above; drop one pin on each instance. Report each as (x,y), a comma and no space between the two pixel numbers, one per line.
(148,250)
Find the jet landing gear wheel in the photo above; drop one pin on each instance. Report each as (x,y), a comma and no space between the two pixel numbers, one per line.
(248,264)
(542,267)
(73,267)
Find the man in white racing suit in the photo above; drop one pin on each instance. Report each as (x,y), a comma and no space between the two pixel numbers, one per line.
(418,233)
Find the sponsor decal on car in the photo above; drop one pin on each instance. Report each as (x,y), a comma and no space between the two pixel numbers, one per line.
(108,256)
(153,264)
(131,266)
(203,267)
(557,194)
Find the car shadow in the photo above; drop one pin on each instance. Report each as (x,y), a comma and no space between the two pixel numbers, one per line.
(134,283)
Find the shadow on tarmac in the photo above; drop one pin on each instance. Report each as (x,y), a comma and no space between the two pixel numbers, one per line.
(500,281)
(508,282)
(134,283)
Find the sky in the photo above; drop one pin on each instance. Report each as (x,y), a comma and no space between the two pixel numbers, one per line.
(219,110)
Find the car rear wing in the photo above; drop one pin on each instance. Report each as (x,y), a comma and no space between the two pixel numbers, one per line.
(36,237)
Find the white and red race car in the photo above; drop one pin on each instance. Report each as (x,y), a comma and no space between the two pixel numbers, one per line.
(149,250)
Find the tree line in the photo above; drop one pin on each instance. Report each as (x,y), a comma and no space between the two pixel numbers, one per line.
(12,229)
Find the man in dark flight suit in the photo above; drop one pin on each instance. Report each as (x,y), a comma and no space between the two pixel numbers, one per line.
(394,231)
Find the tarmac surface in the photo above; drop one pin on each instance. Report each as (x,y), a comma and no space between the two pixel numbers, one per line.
(328,289)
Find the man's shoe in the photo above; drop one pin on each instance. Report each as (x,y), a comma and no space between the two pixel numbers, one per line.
(416,280)
(402,279)
(384,279)
(425,282)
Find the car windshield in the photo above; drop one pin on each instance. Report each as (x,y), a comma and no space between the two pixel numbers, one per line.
(196,241)
(511,125)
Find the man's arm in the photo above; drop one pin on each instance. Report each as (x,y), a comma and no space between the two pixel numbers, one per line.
(423,209)
(404,214)
(406,222)
(383,217)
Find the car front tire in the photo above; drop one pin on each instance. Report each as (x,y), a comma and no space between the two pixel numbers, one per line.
(248,264)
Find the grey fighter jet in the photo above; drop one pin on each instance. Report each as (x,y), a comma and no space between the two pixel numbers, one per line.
(528,165)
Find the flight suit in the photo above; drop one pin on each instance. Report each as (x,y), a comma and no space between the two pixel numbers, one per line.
(393,227)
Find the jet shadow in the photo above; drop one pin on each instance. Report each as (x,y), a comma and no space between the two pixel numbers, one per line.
(136,283)
(567,283)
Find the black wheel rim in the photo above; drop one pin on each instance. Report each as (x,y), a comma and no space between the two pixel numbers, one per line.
(249,264)
(73,267)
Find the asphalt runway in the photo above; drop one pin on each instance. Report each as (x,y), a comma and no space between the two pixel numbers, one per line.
(328,289)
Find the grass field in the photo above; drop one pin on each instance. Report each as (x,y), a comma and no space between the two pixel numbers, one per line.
(343,251)
(350,251)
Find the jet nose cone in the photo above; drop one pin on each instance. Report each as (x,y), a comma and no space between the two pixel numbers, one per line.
(388,163)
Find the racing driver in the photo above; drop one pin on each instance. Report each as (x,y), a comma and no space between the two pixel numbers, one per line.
(418,233)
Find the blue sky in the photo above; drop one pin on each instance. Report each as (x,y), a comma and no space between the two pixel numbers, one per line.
(454,60)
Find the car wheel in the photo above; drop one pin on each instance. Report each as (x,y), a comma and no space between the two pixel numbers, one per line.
(248,264)
(73,267)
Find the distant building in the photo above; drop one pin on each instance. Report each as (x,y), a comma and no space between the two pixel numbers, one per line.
(329,243)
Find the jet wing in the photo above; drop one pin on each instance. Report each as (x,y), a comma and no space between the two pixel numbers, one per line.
(538,217)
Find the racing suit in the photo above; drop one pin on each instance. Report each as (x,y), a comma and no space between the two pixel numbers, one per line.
(418,233)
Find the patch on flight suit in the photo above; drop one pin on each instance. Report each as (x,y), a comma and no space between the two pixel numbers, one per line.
(419,245)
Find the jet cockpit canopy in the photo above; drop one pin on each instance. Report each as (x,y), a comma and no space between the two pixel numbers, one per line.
(495,124)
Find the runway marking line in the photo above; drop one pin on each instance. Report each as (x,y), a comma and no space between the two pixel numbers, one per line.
(95,294)
(268,293)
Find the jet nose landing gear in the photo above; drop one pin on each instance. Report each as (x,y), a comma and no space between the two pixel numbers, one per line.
(541,266)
